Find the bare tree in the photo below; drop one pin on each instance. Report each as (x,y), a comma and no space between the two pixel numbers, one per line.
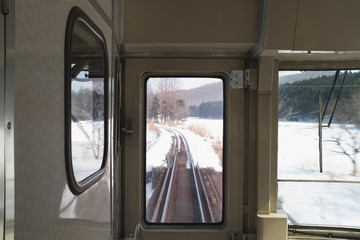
(348,147)
(169,96)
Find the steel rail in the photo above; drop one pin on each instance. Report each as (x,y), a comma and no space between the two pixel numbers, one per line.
(206,196)
(167,199)
(189,157)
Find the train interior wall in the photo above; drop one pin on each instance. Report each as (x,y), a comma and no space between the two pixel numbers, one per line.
(159,36)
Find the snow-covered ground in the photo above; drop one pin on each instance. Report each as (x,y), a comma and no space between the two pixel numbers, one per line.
(213,126)
(87,147)
(159,147)
(336,204)
(299,150)
(201,148)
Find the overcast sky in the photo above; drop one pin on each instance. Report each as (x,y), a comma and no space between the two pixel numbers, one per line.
(188,83)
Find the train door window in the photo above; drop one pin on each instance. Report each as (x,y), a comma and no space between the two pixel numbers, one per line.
(86,96)
(184,151)
(319,148)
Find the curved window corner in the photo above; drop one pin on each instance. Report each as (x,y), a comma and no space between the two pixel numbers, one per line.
(86,102)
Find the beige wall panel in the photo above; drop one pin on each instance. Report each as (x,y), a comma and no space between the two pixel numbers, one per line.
(106,6)
(274,139)
(265,79)
(282,22)
(328,25)
(199,21)
(44,206)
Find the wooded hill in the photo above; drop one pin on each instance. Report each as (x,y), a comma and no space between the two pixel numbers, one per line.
(299,100)
(208,110)
(208,93)
(172,104)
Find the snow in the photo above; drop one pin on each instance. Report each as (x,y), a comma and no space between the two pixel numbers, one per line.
(334,204)
(310,203)
(201,151)
(87,149)
(298,152)
(156,154)
(317,203)
(200,147)
(213,126)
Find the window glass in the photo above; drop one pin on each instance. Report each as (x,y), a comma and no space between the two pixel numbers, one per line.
(319,147)
(86,96)
(184,150)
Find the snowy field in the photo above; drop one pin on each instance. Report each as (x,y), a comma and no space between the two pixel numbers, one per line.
(335,204)
(87,147)
(213,126)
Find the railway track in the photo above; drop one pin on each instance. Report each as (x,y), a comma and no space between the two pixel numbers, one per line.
(185,196)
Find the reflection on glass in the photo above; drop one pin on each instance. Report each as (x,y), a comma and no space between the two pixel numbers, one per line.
(87,102)
(184,150)
(320,110)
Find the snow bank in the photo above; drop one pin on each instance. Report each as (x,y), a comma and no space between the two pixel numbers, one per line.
(213,126)
(317,203)
(87,147)
(336,204)
(298,152)
(156,154)
(201,151)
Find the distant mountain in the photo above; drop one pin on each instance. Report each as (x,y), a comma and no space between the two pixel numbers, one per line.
(206,93)
(303,76)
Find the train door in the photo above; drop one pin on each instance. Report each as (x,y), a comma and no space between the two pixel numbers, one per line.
(150,209)
(6,121)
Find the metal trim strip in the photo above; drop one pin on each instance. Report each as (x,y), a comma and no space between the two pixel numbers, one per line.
(9,131)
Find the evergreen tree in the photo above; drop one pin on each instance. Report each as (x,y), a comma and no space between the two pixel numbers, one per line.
(155,108)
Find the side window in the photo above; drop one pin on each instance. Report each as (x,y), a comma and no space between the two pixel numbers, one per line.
(184,151)
(318,148)
(86,101)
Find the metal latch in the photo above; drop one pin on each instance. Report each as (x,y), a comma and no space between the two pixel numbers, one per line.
(5,7)
(129,127)
(240,78)
(237,236)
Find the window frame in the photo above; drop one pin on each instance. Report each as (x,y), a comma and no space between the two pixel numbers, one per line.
(298,230)
(76,14)
(156,225)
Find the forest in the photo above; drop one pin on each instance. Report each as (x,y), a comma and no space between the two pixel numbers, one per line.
(166,102)
(87,105)
(299,101)
(208,110)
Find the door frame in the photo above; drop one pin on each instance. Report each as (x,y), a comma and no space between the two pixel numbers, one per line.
(133,149)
